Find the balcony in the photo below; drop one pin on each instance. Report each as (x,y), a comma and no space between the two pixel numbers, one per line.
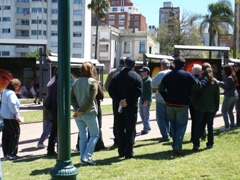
(22,27)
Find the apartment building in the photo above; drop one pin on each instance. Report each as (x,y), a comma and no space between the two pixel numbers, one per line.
(124,15)
(114,43)
(166,11)
(38,19)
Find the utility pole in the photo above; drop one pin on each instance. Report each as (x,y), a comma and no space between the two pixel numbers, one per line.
(64,168)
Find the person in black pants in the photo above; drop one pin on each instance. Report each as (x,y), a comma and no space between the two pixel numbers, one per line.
(125,89)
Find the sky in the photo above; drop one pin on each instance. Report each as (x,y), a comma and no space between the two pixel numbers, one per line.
(150,8)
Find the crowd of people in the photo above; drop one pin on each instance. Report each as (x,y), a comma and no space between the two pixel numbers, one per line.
(177,92)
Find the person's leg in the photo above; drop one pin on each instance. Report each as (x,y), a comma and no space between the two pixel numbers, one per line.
(100,144)
(238,111)
(192,114)
(181,124)
(171,113)
(46,131)
(93,127)
(209,120)
(6,135)
(121,134)
(83,135)
(131,119)
(225,107)
(199,116)
(52,139)
(162,120)
(232,103)
(115,126)
(141,113)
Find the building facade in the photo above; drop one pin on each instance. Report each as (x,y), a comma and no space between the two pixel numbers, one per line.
(124,15)
(166,11)
(114,44)
(38,19)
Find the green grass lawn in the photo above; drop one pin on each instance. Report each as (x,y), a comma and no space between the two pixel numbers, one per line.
(151,161)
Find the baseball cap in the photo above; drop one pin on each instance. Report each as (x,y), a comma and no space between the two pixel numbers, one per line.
(236,64)
(145,69)
(130,61)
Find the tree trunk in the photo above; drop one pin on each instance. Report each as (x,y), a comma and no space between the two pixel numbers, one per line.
(236,30)
(96,40)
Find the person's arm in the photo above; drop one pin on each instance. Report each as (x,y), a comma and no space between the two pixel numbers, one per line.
(162,89)
(156,81)
(12,104)
(74,100)
(227,84)
(108,81)
(195,83)
(100,94)
(148,91)
(217,97)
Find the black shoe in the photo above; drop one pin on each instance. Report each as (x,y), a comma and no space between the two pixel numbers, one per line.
(52,154)
(144,132)
(177,151)
(195,148)
(163,140)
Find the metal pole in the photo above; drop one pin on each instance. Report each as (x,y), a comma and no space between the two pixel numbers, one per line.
(64,168)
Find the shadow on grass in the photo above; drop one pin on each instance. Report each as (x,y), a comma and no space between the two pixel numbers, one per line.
(40,171)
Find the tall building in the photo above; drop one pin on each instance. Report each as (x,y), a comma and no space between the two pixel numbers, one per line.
(124,15)
(166,11)
(38,19)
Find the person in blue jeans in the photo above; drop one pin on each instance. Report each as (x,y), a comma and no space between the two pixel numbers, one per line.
(161,113)
(206,104)
(230,96)
(175,88)
(145,100)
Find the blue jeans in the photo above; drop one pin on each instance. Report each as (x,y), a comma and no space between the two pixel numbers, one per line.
(46,131)
(178,116)
(85,123)
(201,116)
(227,109)
(144,113)
(162,119)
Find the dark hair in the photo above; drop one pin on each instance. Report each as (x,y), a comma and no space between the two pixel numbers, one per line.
(14,84)
(179,62)
(229,71)
(86,70)
(205,65)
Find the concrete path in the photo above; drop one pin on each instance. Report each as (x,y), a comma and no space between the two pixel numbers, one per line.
(31,132)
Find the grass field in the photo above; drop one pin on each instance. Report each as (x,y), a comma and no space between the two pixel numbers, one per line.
(152,161)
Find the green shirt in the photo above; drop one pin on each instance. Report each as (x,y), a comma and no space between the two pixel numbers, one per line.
(147,89)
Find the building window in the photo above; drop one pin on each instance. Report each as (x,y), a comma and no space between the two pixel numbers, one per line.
(54,44)
(104,48)
(77,2)
(36,10)
(36,0)
(35,21)
(77,12)
(44,22)
(22,22)
(54,11)
(142,47)
(7,7)
(136,23)
(5,53)
(6,30)
(54,22)
(54,33)
(45,33)
(23,1)
(77,34)
(112,23)
(131,17)
(77,23)
(4,19)
(111,16)
(24,11)
(136,17)
(114,3)
(22,33)
(0,19)
(45,10)
(121,23)
(114,9)
(121,28)
(77,55)
(122,16)
(34,32)
(77,45)
(54,1)
(126,47)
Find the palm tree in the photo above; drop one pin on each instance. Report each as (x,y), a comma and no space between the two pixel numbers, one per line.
(100,9)
(219,13)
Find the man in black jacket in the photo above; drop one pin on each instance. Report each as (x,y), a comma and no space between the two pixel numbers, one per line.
(175,88)
(125,89)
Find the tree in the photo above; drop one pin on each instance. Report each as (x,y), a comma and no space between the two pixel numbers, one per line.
(177,31)
(219,13)
(236,30)
(100,9)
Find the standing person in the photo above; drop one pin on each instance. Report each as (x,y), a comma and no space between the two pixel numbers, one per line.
(125,89)
(115,104)
(237,70)
(161,113)
(196,70)
(10,106)
(176,90)
(52,92)
(83,100)
(206,105)
(230,96)
(145,99)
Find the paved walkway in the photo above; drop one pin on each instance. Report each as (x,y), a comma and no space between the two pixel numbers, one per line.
(31,132)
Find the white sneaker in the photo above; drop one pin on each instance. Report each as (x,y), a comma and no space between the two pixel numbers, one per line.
(224,129)
(40,146)
(89,161)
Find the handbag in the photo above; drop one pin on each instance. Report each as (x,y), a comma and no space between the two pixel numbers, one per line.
(47,103)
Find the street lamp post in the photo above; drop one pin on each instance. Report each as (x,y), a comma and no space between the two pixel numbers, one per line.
(64,168)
